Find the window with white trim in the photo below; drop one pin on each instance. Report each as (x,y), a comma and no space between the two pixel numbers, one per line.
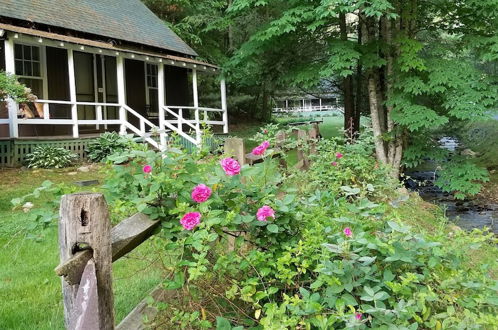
(28,67)
(151,88)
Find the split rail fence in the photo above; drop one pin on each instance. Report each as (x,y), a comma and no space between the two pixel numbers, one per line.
(88,245)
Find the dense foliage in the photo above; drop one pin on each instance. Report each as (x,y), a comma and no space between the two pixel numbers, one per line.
(47,156)
(412,66)
(327,248)
(11,88)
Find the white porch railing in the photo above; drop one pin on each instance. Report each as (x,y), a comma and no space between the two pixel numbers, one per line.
(195,124)
(145,129)
(306,108)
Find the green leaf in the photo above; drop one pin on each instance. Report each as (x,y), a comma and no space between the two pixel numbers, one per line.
(222,323)
(272,228)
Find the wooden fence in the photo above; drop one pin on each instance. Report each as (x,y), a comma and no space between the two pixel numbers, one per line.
(306,145)
(89,246)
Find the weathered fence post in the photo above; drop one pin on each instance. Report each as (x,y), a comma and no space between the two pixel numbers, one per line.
(84,225)
(280,139)
(302,157)
(234,147)
(314,136)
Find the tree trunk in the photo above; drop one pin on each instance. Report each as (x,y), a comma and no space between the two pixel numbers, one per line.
(347,89)
(373,95)
(359,88)
(230,33)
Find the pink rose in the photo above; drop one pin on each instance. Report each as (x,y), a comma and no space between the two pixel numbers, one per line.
(190,220)
(333,163)
(265,212)
(358,316)
(230,166)
(339,155)
(348,232)
(259,150)
(147,169)
(201,193)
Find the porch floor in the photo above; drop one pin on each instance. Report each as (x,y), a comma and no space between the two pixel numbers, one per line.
(53,137)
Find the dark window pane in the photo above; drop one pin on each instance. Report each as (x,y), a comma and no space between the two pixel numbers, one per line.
(18,51)
(36,69)
(27,52)
(36,86)
(27,68)
(19,69)
(36,53)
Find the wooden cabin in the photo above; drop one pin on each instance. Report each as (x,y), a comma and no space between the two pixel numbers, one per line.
(97,66)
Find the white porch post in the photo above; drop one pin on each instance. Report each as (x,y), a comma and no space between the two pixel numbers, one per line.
(10,67)
(161,103)
(286,104)
(72,92)
(223,89)
(121,94)
(196,106)
(320,104)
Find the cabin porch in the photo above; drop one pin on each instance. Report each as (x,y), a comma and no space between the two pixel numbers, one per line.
(84,90)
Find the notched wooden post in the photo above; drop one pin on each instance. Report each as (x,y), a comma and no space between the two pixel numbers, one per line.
(84,225)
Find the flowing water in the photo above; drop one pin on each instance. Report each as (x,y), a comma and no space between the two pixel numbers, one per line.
(467,214)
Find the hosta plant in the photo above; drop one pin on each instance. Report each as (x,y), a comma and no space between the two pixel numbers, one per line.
(107,144)
(46,156)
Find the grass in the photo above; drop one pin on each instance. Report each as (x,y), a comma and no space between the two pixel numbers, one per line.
(31,292)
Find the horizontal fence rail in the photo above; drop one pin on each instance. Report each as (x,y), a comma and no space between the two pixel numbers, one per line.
(306,109)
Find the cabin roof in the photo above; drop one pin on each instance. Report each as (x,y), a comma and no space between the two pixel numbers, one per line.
(126,20)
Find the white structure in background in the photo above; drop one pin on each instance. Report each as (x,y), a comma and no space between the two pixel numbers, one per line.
(306,103)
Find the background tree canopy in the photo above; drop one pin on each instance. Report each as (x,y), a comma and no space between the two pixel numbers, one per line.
(413,66)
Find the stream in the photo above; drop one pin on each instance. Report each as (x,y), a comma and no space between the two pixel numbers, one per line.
(467,214)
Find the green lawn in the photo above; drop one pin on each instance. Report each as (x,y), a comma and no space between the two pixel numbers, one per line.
(31,292)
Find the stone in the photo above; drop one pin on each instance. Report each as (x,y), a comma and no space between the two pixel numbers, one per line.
(468,152)
(85,183)
(72,173)
(84,169)
(27,207)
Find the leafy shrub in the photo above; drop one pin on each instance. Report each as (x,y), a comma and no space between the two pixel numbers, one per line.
(11,88)
(334,256)
(42,216)
(105,145)
(46,156)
